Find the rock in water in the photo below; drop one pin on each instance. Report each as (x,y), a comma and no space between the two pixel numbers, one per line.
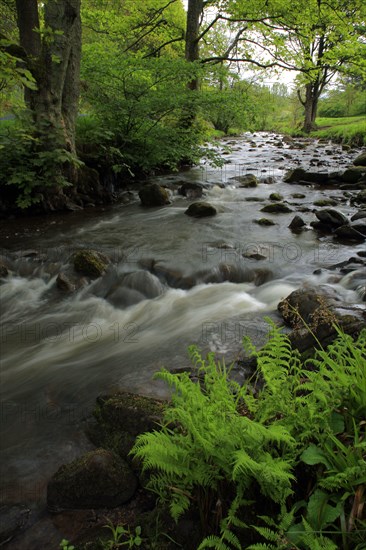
(90,263)
(201,210)
(297,223)
(246,181)
(314,312)
(99,479)
(276,208)
(154,195)
(191,190)
(332,217)
(360,160)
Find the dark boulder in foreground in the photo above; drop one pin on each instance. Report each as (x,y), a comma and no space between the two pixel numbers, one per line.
(154,195)
(13,519)
(99,479)
(201,210)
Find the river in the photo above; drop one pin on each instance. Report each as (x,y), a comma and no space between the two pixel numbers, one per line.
(59,351)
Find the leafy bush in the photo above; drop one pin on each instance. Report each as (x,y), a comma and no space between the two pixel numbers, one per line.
(28,167)
(232,450)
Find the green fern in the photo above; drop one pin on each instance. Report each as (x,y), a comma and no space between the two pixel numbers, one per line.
(219,440)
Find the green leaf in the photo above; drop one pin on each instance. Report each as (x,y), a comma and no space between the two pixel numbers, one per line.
(319,512)
(314,455)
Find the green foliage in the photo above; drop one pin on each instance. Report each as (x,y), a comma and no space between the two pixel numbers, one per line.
(122,536)
(28,167)
(349,130)
(347,101)
(219,443)
(64,545)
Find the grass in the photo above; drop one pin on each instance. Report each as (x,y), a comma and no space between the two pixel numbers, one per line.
(348,130)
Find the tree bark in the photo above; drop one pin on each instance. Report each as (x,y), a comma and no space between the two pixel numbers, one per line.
(28,25)
(55,64)
(194,13)
(310,106)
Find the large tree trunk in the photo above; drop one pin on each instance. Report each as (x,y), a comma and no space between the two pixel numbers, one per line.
(194,13)
(310,104)
(55,65)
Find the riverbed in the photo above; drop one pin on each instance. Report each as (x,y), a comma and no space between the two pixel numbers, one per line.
(61,350)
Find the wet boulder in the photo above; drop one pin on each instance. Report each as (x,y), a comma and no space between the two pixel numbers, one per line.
(264,222)
(351,232)
(191,190)
(325,202)
(64,284)
(360,215)
(331,217)
(90,262)
(360,198)
(276,197)
(13,520)
(300,175)
(297,223)
(354,174)
(200,210)
(99,479)
(246,181)
(123,297)
(144,282)
(276,208)
(120,418)
(154,195)
(360,160)
(314,312)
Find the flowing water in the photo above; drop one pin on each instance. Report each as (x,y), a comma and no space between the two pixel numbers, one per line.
(59,351)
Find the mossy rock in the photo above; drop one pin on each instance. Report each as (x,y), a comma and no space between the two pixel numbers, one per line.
(90,263)
(99,479)
(246,181)
(360,160)
(276,197)
(129,412)
(276,208)
(154,195)
(264,221)
(354,174)
(298,195)
(325,202)
(201,210)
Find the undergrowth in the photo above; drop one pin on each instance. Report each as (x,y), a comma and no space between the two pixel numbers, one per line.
(278,463)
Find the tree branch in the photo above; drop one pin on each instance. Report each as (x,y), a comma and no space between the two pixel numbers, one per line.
(157,50)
